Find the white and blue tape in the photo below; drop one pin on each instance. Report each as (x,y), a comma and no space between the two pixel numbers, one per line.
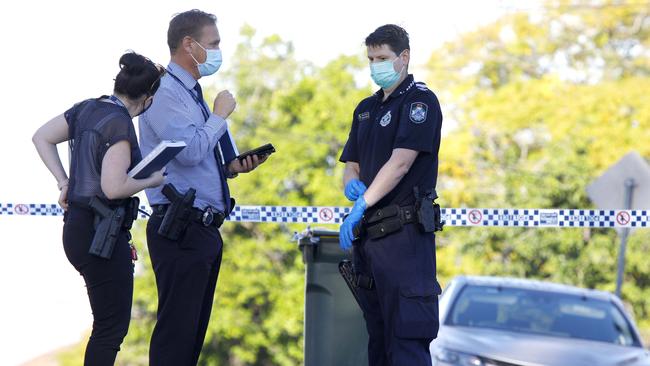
(504,217)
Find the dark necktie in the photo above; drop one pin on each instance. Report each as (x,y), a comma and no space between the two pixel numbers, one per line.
(217,153)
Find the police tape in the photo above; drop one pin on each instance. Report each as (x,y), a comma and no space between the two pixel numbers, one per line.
(504,217)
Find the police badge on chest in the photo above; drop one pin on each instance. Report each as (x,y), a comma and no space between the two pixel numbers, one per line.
(385,120)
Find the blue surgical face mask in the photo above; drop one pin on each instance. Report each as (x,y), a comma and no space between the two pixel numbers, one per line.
(384,74)
(212,61)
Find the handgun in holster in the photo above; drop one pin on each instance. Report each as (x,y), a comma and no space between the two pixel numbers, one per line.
(179,213)
(354,280)
(428,211)
(108,224)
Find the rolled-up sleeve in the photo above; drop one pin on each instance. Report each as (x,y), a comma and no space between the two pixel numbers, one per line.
(169,118)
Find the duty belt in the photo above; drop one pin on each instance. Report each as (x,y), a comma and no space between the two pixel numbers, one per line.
(207,217)
(386,220)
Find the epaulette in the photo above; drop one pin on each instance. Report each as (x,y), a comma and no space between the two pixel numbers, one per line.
(422,86)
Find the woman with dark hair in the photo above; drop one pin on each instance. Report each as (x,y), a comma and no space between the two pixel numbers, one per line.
(97,196)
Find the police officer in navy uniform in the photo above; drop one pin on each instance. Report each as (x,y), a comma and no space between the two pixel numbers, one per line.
(392,149)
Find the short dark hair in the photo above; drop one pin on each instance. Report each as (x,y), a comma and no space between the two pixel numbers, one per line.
(138,76)
(392,35)
(188,23)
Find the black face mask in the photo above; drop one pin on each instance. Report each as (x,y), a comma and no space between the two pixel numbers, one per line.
(144,107)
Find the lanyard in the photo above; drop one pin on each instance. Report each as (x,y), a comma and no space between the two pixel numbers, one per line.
(117,101)
(204,109)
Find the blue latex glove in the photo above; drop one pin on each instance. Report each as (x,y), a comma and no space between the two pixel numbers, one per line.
(354,189)
(346,231)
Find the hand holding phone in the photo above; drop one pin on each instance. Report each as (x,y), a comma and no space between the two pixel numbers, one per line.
(261,152)
(249,160)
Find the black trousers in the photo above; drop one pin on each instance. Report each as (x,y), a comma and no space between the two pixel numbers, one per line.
(186,276)
(401,311)
(109,283)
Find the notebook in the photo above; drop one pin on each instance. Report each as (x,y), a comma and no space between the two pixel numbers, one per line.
(157,159)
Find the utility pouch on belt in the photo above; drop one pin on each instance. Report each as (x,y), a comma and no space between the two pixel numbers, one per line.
(428,211)
(388,220)
(108,224)
(179,213)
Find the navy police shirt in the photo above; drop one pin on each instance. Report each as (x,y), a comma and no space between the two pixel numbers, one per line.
(410,118)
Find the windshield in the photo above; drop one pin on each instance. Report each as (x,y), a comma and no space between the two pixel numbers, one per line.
(540,312)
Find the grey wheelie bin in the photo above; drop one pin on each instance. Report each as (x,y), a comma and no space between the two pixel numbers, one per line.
(335,331)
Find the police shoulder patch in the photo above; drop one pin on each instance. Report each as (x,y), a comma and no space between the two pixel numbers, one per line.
(418,112)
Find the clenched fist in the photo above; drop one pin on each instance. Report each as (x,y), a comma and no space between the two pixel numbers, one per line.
(224,104)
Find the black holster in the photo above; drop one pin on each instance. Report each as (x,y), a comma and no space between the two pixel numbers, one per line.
(179,213)
(428,211)
(109,222)
(355,280)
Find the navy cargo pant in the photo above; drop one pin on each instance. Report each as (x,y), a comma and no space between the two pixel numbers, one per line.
(401,311)
(186,276)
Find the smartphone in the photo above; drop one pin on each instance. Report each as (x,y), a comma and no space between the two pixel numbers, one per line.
(261,151)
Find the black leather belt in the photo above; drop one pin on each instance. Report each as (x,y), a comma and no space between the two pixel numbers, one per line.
(207,217)
(386,220)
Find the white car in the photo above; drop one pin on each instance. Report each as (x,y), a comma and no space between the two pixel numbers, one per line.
(495,321)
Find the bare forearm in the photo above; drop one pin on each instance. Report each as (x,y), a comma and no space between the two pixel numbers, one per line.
(386,180)
(125,188)
(390,175)
(350,172)
(50,157)
(45,140)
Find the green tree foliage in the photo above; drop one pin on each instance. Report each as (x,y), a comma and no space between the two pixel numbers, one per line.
(542,104)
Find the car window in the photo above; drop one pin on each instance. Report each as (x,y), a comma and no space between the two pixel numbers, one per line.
(541,312)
